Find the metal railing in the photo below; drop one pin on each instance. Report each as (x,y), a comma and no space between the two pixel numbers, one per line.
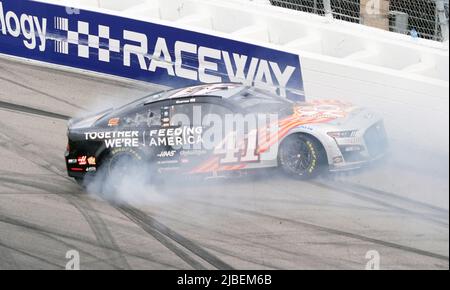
(418,18)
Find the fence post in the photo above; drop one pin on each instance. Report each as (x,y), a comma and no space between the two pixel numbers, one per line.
(327,8)
(443,21)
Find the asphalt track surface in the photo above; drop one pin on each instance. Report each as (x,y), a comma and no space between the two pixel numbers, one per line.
(249,223)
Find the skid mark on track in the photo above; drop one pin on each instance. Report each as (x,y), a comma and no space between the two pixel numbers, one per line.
(51,236)
(302,256)
(59,235)
(31,110)
(362,193)
(30,255)
(393,196)
(101,232)
(165,242)
(334,232)
(159,230)
(98,226)
(133,85)
(8,261)
(39,92)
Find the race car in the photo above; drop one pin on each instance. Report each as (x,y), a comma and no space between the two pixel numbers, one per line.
(224,129)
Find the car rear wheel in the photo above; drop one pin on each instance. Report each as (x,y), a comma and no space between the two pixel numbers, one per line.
(301,156)
(117,172)
(120,165)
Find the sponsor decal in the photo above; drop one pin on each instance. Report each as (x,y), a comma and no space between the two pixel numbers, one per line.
(131,151)
(72,161)
(176,136)
(183,102)
(168,162)
(82,160)
(92,161)
(114,122)
(165,154)
(338,159)
(28,28)
(312,150)
(193,152)
(115,139)
(165,117)
(306,128)
(168,169)
(91,169)
(141,50)
(324,109)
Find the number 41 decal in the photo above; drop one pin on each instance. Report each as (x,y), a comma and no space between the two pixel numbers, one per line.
(237,151)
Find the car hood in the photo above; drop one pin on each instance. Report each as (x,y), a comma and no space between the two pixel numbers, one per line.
(333,114)
(325,111)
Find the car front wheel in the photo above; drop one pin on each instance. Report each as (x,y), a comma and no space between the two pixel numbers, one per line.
(302,156)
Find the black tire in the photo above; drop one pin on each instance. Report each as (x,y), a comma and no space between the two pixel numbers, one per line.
(113,168)
(129,163)
(302,157)
(119,164)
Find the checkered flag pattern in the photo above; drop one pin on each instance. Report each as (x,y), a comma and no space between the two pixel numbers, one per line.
(85,42)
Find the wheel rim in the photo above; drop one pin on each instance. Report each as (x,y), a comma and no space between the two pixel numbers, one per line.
(297,156)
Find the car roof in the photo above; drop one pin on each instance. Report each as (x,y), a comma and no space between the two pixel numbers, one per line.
(222,90)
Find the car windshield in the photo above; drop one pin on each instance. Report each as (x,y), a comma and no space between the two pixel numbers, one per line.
(258,100)
(251,99)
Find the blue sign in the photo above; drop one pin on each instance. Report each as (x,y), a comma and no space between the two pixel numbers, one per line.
(141,50)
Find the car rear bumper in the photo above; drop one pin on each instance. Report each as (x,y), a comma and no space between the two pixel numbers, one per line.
(76,175)
(79,166)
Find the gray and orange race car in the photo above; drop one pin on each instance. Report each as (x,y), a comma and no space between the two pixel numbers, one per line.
(222,129)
